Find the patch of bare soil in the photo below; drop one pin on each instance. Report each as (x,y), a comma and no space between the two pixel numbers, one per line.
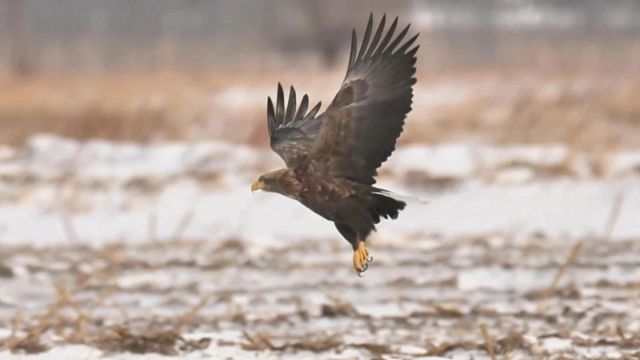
(489,296)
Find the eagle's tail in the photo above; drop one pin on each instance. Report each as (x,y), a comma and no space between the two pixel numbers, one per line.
(384,205)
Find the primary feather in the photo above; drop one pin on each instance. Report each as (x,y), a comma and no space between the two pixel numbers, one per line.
(292,136)
(367,115)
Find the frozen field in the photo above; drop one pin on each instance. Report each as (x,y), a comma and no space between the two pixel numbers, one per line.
(109,249)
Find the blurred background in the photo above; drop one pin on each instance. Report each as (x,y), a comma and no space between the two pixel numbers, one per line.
(130,132)
(158,69)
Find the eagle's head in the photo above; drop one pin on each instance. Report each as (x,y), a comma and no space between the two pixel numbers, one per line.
(282,181)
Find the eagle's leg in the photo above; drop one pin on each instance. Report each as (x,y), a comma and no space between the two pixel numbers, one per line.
(361,258)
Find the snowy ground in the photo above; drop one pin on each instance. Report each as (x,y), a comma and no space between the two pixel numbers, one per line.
(108,249)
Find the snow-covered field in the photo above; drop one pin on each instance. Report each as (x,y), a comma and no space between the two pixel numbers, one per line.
(107,192)
(112,248)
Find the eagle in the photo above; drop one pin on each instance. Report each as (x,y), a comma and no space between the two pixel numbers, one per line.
(332,158)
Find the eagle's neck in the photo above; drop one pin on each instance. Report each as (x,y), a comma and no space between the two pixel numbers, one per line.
(288,184)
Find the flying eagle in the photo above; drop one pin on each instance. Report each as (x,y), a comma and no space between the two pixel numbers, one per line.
(332,158)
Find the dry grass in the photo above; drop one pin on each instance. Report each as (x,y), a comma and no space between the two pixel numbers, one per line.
(262,342)
(168,342)
(570,260)
(73,322)
(135,107)
(585,111)
(488,341)
(601,115)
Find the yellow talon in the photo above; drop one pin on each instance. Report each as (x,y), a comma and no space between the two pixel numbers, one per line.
(361,258)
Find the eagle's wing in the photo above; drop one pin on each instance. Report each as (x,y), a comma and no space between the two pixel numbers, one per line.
(292,132)
(365,118)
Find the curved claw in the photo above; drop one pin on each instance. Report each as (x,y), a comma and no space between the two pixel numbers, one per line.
(361,259)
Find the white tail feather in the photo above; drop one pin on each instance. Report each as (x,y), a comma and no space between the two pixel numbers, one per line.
(404,198)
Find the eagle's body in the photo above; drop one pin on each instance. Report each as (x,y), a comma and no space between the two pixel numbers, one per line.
(332,158)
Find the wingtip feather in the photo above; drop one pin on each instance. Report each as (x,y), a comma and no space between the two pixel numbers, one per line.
(407,44)
(376,38)
(315,109)
(303,108)
(291,106)
(353,51)
(383,44)
(271,120)
(280,104)
(365,38)
(394,44)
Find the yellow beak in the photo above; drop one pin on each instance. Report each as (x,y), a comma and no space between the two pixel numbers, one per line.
(258,185)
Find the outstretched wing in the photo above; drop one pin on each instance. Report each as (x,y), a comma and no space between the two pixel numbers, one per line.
(367,115)
(292,132)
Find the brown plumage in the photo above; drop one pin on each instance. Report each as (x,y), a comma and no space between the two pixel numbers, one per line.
(332,158)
